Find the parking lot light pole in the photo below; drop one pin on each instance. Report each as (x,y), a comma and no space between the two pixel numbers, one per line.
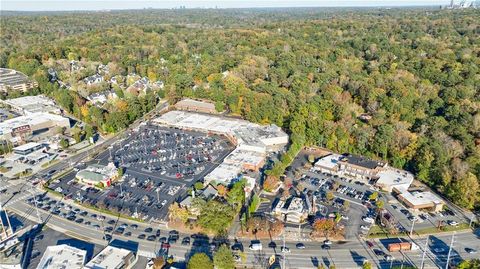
(411,229)
(424,252)
(450,250)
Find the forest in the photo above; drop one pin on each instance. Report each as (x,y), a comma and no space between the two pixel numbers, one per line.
(400,84)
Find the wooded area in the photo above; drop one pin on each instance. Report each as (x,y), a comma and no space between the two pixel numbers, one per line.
(400,84)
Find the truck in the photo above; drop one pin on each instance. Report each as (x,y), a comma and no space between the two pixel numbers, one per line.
(402,246)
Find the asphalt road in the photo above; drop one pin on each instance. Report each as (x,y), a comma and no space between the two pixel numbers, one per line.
(347,255)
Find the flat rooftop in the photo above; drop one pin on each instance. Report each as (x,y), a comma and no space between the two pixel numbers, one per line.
(224,173)
(391,177)
(329,161)
(421,198)
(248,157)
(30,120)
(109,258)
(27,146)
(62,257)
(33,104)
(361,161)
(249,133)
(193,104)
(10,77)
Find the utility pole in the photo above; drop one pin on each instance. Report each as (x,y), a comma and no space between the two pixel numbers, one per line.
(424,252)
(36,207)
(411,229)
(283,267)
(450,250)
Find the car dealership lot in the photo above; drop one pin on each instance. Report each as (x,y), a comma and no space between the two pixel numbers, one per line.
(159,165)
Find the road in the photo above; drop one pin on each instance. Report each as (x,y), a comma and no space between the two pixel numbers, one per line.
(347,255)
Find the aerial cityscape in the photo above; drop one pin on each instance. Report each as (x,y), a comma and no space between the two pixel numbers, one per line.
(224,135)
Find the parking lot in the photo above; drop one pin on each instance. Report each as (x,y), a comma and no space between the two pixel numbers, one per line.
(357,194)
(159,163)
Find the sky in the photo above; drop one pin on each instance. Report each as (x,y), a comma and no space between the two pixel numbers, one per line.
(56,5)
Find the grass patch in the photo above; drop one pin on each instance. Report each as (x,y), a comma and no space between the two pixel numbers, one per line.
(447,228)
(47,164)
(379,232)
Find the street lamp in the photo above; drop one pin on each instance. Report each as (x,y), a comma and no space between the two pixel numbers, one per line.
(411,229)
(450,250)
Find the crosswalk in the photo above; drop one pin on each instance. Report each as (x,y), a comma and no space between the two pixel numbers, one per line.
(21,197)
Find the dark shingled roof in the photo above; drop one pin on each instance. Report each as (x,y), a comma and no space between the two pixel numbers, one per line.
(361,161)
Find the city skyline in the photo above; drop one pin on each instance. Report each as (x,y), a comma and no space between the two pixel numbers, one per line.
(20,5)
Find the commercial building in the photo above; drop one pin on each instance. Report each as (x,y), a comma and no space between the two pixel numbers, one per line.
(291,210)
(248,160)
(360,167)
(349,165)
(421,200)
(328,164)
(62,257)
(253,142)
(98,175)
(27,105)
(12,80)
(195,106)
(27,127)
(27,148)
(223,174)
(391,178)
(112,258)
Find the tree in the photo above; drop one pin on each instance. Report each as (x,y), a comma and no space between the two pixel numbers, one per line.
(367,265)
(469,264)
(223,258)
(200,261)
(198,185)
(346,205)
(311,158)
(64,143)
(215,216)
(373,196)
(158,263)
(120,172)
(329,196)
(236,195)
(175,212)
(323,226)
(270,183)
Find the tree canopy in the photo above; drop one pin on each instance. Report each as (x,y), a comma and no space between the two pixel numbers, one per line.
(400,84)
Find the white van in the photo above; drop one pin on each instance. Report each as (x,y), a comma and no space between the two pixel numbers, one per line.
(256,246)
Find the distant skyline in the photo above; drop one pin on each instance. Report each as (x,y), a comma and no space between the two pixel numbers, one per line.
(57,5)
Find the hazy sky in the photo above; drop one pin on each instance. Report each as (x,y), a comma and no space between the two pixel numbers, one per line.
(40,5)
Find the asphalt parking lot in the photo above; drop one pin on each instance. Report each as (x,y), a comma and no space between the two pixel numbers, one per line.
(357,193)
(160,164)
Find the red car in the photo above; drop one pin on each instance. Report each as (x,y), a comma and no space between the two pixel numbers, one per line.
(369,243)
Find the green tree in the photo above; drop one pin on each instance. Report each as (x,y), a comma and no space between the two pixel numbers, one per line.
(469,264)
(64,143)
(198,185)
(373,196)
(223,258)
(200,261)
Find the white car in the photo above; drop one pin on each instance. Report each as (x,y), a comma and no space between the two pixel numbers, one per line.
(368,219)
(327,242)
(285,250)
(363,227)
(452,223)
